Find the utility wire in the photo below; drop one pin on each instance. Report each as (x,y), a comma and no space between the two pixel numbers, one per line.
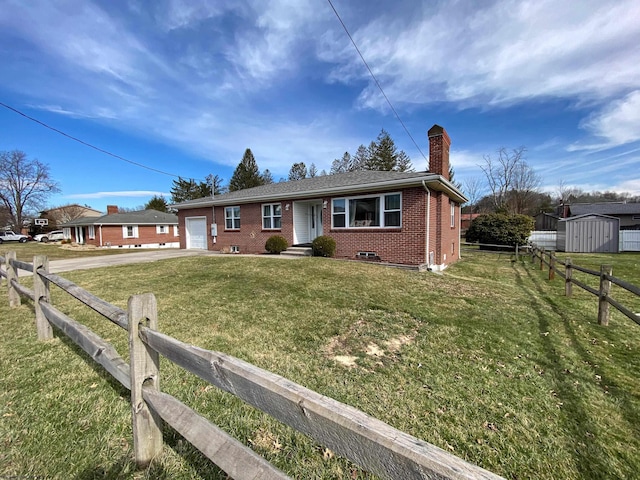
(106,152)
(376,80)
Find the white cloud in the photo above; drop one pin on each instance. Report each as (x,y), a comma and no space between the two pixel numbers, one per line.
(124,194)
(617,124)
(504,52)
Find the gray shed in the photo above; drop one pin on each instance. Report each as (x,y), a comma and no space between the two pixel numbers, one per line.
(588,233)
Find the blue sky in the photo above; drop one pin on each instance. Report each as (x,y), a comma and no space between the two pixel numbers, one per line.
(185,86)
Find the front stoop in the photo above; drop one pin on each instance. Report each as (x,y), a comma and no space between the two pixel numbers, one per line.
(297,252)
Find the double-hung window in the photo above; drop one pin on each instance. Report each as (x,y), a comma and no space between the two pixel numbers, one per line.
(377,211)
(130,231)
(272,216)
(162,229)
(232,218)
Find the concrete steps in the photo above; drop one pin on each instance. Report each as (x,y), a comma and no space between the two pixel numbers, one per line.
(297,252)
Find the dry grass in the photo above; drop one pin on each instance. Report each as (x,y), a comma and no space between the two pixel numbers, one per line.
(488,361)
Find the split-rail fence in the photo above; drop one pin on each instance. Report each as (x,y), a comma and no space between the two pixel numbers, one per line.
(566,268)
(370,443)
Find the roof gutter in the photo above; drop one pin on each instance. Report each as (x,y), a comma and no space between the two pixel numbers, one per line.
(435,182)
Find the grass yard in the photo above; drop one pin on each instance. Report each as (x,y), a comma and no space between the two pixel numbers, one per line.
(488,361)
(55,251)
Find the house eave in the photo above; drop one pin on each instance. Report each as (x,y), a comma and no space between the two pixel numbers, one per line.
(435,182)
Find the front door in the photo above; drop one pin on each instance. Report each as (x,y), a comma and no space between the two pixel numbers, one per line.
(315,220)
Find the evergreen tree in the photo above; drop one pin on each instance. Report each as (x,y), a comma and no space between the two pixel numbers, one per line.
(158,203)
(361,158)
(247,174)
(183,190)
(267,177)
(298,171)
(313,171)
(214,183)
(341,165)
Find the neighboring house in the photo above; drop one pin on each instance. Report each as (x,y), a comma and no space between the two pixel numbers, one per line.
(141,229)
(67,213)
(466,220)
(399,218)
(628,213)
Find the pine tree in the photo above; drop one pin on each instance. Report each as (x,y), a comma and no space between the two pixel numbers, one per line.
(361,159)
(298,171)
(247,174)
(313,171)
(183,190)
(267,177)
(158,203)
(341,165)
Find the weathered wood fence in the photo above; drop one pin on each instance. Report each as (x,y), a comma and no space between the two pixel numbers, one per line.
(374,445)
(566,268)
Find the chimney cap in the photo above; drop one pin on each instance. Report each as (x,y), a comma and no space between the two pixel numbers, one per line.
(437,131)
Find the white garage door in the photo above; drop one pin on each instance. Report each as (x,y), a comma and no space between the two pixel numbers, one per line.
(196,233)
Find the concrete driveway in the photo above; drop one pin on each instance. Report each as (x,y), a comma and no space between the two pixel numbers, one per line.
(57,266)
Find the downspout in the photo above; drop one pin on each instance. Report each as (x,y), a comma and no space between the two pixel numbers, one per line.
(460,232)
(100,233)
(213,221)
(427,256)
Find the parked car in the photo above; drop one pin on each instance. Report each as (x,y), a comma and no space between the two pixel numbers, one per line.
(9,236)
(53,236)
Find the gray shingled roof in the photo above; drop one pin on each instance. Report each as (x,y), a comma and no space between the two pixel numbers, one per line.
(140,217)
(605,208)
(334,184)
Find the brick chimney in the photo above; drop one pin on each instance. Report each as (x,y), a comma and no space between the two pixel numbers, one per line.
(111,209)
(439,143)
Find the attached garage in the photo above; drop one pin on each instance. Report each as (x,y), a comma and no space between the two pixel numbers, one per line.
(588,234)
(196,233)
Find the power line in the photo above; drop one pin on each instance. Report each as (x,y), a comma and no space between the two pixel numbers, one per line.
(101,150)
(376,80)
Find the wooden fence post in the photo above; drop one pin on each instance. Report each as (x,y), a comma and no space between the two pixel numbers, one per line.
(605,288)
(41,293)
(568,275)
(542,259)
(12,274)
(552,265)
(145,373)
(533,253)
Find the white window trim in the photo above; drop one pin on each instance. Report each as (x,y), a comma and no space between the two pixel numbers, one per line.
(160,228)
(381,196)
(176,232)
(232,217)
(453,214)
(91,232)
(272,216)
(125,231)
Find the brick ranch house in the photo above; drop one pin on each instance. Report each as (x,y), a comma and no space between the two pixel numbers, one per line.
(140,229)
(400,218)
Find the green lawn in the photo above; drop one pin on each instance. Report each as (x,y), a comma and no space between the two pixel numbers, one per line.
(488,361)
(56,251)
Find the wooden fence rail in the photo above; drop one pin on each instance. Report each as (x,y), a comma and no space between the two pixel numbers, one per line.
(603,292)
(374,445)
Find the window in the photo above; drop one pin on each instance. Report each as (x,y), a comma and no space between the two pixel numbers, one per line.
(272,216)
(175,231)
(232,218)
(162,229)
(380,211)
(453,214)
(91,232)
(130,231)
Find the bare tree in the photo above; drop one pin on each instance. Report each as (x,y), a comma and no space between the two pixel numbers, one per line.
(25,185)
(510,179)
(473,188)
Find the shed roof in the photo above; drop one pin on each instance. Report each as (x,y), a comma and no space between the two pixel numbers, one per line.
(342,183)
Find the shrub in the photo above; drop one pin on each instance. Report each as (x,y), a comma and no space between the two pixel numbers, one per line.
(323,246)
(500,229)
(276,244)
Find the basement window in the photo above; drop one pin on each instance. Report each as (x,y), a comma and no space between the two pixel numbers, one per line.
(369,255)
(234,249)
